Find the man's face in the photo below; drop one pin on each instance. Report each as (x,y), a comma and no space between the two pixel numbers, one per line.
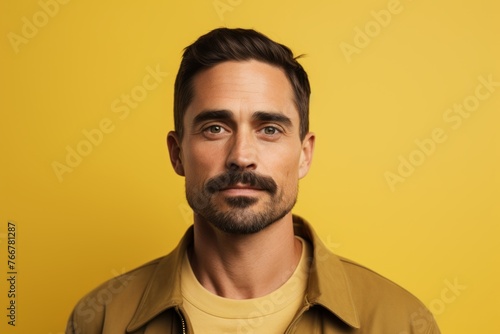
(241,152)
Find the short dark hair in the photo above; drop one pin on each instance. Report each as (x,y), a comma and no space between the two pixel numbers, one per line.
(224,44)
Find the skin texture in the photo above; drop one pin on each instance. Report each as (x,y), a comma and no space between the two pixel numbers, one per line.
(242,121)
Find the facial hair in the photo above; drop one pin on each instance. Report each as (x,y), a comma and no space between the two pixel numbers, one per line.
(241,217)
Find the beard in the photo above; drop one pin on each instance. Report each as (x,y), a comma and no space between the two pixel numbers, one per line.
(241,215)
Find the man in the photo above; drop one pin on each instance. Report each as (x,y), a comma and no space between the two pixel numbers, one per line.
(247,265)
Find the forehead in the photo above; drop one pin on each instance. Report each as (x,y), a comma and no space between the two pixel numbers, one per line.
(243,86)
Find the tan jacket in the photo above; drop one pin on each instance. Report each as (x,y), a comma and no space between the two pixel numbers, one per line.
(342,297)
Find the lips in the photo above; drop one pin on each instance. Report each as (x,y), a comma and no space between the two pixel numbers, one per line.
(240,191)
(240,187)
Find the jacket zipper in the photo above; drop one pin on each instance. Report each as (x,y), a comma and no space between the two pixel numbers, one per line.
(183,322)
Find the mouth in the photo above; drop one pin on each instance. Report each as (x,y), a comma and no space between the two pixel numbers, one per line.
(241,190)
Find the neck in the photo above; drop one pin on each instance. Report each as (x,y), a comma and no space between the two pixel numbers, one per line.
(244,266)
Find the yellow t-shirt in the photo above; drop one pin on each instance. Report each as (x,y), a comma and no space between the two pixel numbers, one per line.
(209,313)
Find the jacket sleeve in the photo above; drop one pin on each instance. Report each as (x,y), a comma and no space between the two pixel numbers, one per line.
(434,329)
(85,320)
(70,327)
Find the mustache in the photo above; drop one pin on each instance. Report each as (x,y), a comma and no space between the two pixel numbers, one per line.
(231,178)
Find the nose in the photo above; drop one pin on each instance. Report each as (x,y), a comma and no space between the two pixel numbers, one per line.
(242,153)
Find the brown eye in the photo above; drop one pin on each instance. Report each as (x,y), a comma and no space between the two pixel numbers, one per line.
(215,129)
(270,130)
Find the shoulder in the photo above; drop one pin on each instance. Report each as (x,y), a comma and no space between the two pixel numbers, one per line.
(366,280)
(120,295)
(133,298)
(379,301)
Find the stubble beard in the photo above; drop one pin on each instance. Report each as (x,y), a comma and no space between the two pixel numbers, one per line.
(241,215)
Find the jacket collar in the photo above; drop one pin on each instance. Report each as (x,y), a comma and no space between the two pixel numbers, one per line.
(164,288)
(328,284)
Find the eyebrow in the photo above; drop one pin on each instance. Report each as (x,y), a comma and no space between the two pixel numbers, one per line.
(211,115)
(227,115)
(270,116)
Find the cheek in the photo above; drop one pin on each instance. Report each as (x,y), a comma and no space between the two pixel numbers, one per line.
(201,162)
(286,169)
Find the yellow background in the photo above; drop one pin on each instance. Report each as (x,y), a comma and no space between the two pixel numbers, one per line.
(123,205)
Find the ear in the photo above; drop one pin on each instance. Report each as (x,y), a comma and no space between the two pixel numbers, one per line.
(306,154)
(174,149)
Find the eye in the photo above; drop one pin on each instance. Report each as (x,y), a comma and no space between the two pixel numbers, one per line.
(214,129)
(270,130)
